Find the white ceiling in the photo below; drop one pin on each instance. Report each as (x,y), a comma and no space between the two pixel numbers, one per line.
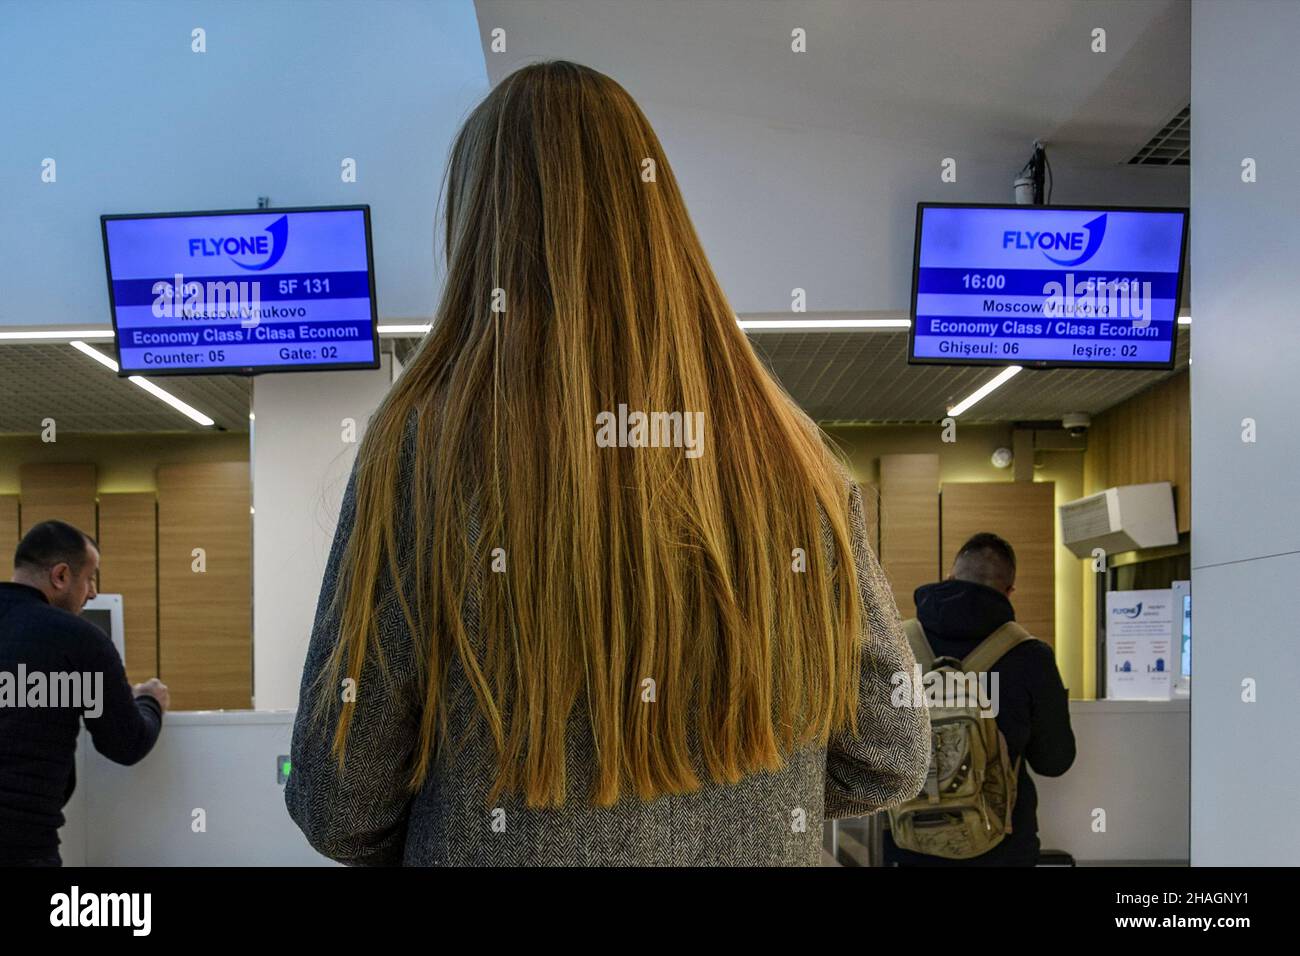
(988,74)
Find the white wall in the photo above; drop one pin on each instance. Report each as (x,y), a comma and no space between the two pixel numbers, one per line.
(804,171)
(1245,516)
(300,466)
(834,213)
(136,122)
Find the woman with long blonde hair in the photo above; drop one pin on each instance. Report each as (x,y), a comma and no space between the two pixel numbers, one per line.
(599,593)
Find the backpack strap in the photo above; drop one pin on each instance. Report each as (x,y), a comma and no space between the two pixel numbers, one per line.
(921,649)
(992,649)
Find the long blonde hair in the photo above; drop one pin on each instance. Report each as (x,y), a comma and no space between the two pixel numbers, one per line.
(658,590)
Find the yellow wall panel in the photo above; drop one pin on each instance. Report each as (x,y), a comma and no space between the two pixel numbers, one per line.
(65,492)
(9,534)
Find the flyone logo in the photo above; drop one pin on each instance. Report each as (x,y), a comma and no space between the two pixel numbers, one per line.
(1088,240)
(258,245)
(1132,612)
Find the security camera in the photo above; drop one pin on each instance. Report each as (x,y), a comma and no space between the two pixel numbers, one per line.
(1076,423)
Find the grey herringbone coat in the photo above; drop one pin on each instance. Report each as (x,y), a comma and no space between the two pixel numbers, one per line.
(365,816)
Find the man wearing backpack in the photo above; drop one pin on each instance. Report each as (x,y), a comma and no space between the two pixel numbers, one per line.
(964,817)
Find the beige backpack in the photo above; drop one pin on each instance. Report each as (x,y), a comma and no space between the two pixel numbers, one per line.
(970,790)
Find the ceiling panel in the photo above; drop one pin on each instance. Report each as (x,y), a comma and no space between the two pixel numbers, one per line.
(56,381)
(863,376)
(836,376)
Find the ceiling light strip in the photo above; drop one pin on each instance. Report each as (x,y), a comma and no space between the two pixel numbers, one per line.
(995,383)
(807,325)
(189,411)
(749,325)
(57,334)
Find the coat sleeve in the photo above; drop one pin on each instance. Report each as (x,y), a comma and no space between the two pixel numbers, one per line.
(886,762)
(1050,751)
(123,728)
(356,815)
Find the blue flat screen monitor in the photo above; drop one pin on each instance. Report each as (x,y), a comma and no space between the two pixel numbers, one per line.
(269,290)
(1046,286)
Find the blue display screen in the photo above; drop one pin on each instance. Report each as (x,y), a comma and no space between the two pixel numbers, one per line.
(1045,286)
(250,291)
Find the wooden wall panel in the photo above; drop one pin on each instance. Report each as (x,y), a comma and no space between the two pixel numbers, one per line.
(9,534)
(1024,513)
(128,565)
(1147,438)
(909,524)
(65,492)
(205,650)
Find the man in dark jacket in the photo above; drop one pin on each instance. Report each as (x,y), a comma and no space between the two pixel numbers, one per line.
(1034,712)
(56,669)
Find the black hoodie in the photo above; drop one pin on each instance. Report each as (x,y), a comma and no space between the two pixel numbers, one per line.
(38,745)
(1033,708)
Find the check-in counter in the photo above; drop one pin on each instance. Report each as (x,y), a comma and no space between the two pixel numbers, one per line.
(1132,764)
(223,763)
(1127,797)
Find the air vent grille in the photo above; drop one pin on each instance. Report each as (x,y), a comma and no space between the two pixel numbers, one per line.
(1172,146)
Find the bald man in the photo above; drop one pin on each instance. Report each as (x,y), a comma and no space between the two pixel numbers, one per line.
(48,652)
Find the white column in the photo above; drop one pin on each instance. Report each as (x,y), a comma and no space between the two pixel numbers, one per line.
(1245,354)
(300,467)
